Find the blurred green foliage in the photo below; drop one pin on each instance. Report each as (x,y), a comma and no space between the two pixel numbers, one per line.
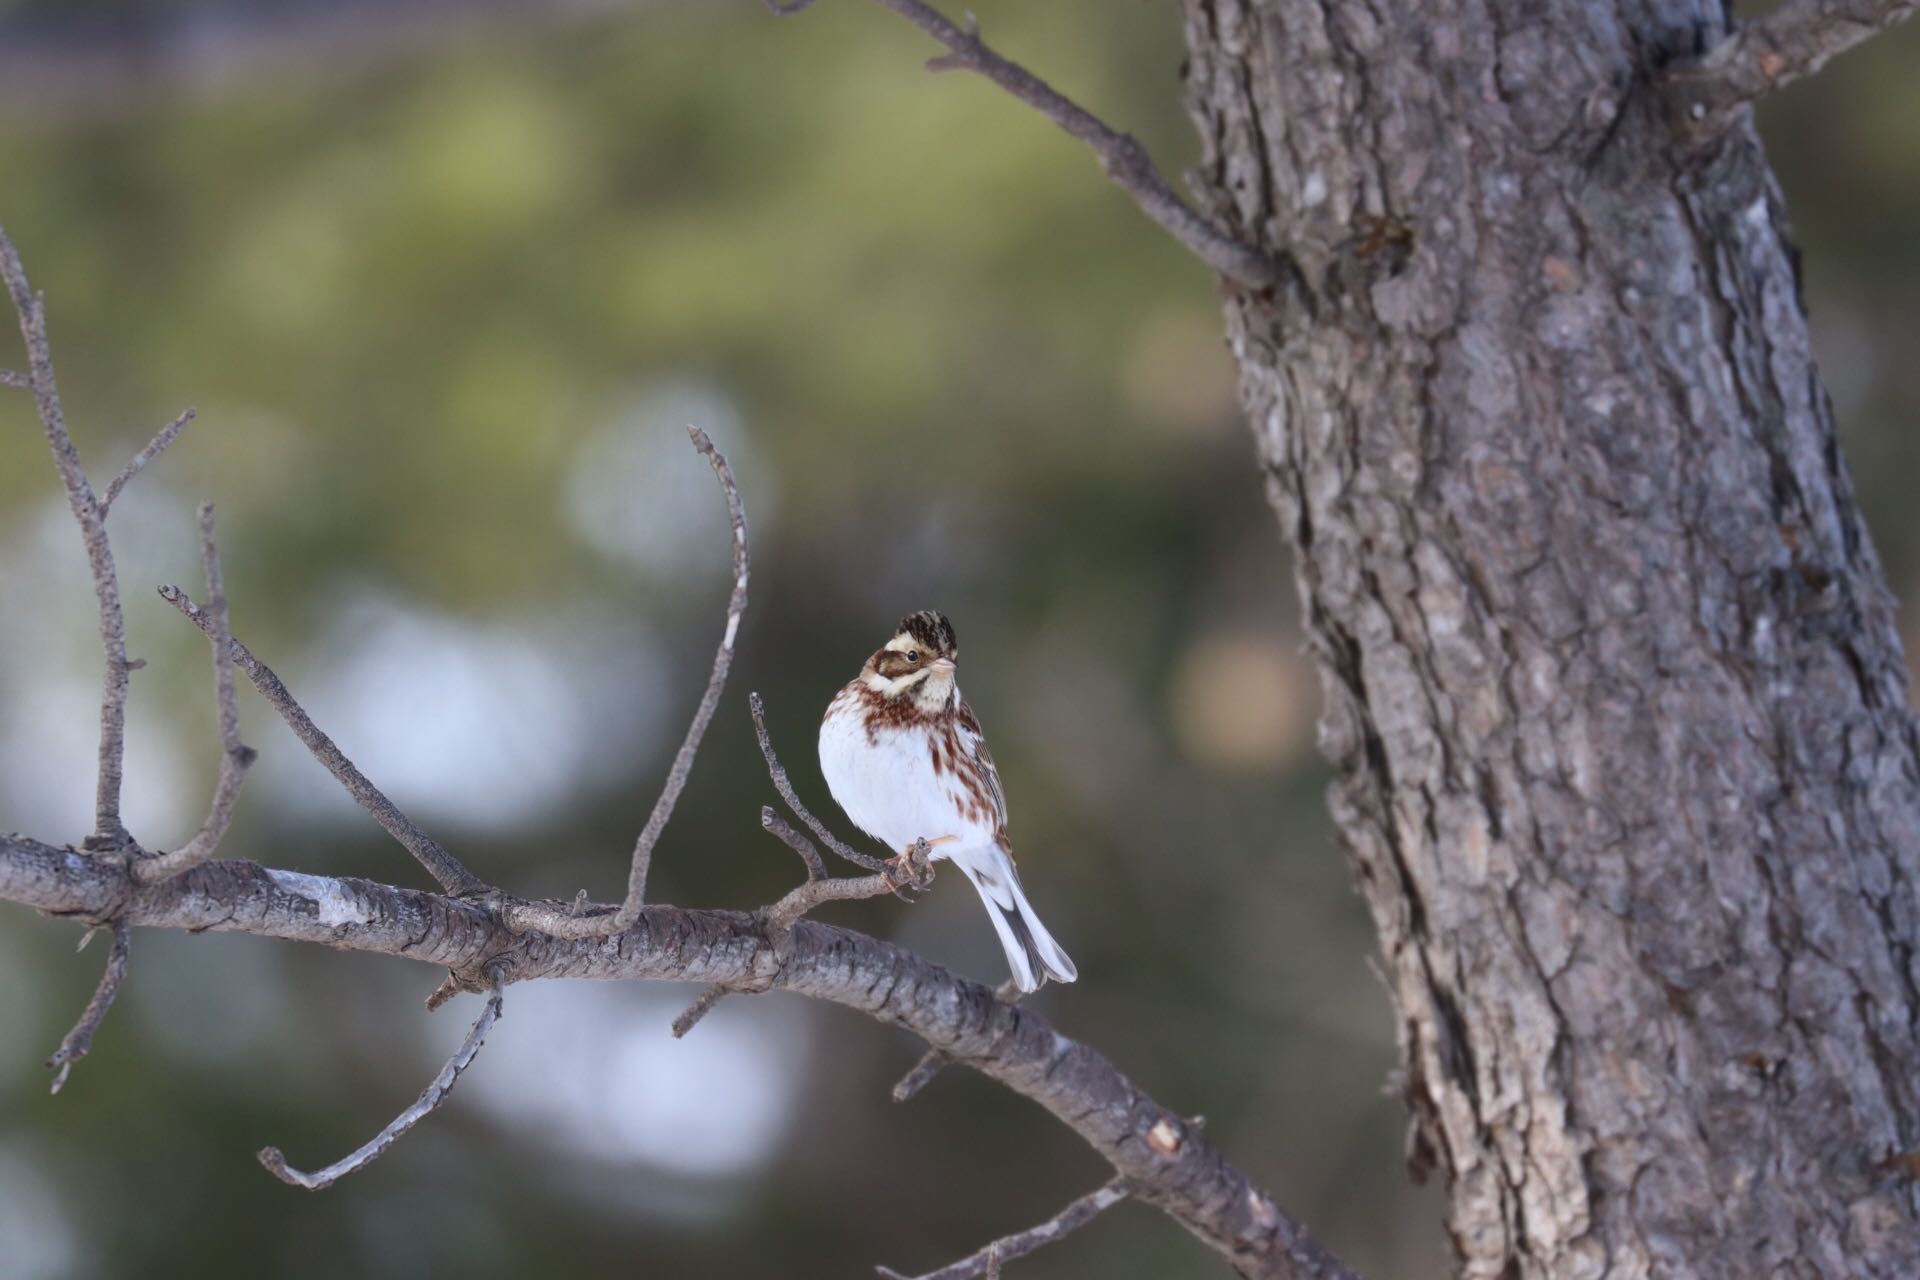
(415,290)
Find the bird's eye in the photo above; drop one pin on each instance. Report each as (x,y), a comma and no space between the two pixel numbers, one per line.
(913,655)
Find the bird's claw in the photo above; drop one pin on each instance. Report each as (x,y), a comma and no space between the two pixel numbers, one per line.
(910,870)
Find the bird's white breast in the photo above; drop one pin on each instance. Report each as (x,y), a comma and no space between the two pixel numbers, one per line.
(887,784)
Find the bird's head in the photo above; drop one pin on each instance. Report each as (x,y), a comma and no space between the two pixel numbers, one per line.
(917,663)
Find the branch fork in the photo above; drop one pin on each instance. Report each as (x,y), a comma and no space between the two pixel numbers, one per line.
(235,756)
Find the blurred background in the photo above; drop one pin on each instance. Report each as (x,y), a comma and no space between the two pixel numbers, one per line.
(444,280)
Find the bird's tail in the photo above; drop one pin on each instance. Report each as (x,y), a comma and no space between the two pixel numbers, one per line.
(1032,953)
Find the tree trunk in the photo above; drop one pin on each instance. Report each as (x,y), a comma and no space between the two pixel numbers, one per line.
(1625,762)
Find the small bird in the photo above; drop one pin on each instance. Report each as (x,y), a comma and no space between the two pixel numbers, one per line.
(904,756)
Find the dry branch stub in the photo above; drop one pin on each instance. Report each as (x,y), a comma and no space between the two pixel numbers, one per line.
(79,1041)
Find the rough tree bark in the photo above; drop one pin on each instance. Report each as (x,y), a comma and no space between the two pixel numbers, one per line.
(1625,762)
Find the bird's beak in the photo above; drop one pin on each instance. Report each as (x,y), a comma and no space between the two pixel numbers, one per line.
(941,666)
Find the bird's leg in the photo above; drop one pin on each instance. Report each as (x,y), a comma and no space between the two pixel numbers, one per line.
(912,867)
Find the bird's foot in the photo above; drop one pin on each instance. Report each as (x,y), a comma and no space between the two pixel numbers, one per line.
(912,868)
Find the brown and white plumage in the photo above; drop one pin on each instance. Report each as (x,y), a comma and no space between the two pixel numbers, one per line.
(903,754)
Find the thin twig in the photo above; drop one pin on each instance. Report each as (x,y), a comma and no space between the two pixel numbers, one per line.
(425,1105)
(577,922)
(235,755)
(452,874)
(1121,155)
(108,830)
(778,772)
(154,448)
(1791,41)
(775,825)
(74,1047)
(914,871)
(13,378)
(703,715)
(702,1005)
(987,1261)
(933,1060)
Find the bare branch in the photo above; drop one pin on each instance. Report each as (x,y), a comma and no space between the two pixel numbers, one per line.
(785,788)
(153,449)
(933,1061)
(74,1047)
(1125,161)
(777,826)
(578,921)
(425,1105)
(452,874)
(1791,41)
(1167,1161)
(912,871)
(1018,1245)
(12,378)
(235,756)
(703,714)
(108,830)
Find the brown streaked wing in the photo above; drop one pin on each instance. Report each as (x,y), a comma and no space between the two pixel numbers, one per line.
(974,743)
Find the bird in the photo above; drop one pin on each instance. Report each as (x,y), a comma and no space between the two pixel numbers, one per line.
(904,756)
